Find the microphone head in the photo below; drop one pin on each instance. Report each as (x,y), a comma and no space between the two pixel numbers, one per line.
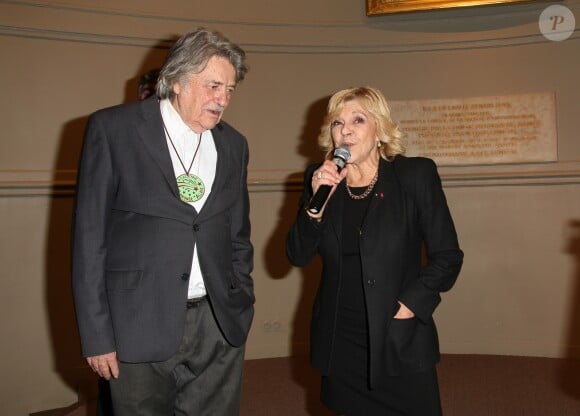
(341,155)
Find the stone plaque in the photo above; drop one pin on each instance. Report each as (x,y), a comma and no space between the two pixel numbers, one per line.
(480,130)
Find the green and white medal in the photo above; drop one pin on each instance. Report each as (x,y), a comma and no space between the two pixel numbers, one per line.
(191,187)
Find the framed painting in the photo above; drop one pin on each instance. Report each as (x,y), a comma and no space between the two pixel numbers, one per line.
(382,7)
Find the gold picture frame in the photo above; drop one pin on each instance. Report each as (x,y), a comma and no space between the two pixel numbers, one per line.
(382,7)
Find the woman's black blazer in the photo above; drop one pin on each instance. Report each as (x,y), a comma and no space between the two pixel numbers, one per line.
(409,253)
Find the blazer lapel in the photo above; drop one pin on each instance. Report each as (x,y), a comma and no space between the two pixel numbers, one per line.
(385,188)
(386,219)
(383,193)
(151,132)
(385,210)
(221,172)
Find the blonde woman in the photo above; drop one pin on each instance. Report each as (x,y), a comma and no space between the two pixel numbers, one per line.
(373,338)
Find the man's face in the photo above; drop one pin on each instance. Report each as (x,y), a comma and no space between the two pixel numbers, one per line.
(202,100)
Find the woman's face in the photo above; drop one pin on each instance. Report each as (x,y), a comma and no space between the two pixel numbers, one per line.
(356,129)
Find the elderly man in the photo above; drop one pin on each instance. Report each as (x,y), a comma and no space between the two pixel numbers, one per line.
(161,249)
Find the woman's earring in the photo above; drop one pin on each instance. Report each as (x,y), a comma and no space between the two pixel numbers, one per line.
(379,144)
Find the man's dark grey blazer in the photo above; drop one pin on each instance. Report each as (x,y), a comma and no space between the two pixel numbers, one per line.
(133,238)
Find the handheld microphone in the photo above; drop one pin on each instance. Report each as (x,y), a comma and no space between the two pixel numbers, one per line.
(341,155)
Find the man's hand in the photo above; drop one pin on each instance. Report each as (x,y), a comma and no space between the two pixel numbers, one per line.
(105,365)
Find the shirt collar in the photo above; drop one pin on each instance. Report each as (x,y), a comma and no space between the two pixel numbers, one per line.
(173,121)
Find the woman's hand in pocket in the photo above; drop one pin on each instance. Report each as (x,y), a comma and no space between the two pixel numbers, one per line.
(404,312)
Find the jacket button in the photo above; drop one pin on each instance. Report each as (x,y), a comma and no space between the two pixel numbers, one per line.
(185,276)
(371,282)
(195,227)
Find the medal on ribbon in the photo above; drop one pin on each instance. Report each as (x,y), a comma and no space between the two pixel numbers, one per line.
(191,187)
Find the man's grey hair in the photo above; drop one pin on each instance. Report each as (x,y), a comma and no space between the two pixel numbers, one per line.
(191,53)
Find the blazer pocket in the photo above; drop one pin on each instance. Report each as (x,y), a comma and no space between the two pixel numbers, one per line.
(411,346)
(400,345)
(119,280)
(401,334)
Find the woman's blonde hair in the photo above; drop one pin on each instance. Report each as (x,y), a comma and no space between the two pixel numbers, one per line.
(374,102)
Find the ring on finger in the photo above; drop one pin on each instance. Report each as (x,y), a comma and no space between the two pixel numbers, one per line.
(319,175)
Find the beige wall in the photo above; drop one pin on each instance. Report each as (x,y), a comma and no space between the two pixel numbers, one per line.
(518,224)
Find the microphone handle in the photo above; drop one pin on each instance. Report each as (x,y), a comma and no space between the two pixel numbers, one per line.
(319,198)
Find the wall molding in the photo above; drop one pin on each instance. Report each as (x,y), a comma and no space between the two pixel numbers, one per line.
(28,32)
(504,12)
(271,48)
(359,36)
(27,183)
